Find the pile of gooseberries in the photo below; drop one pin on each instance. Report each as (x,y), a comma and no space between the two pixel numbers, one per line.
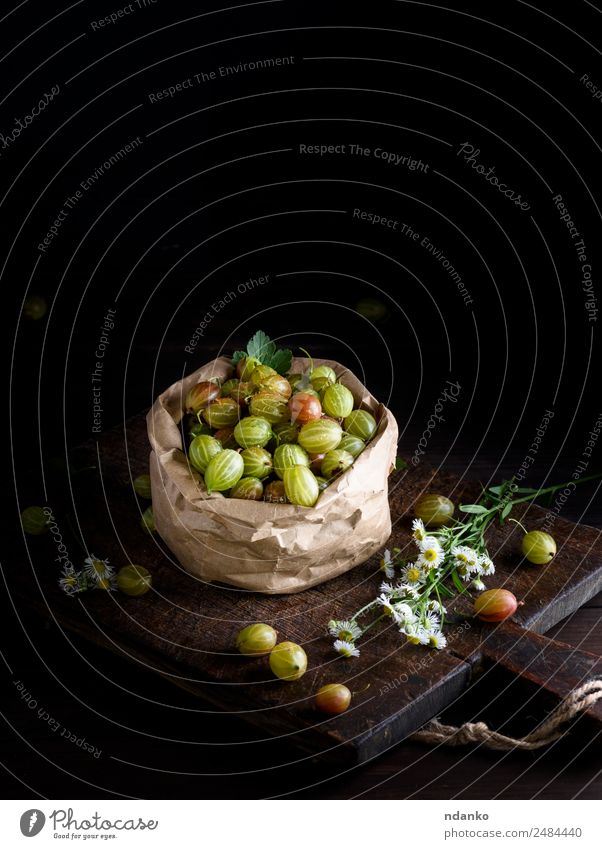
(262,436)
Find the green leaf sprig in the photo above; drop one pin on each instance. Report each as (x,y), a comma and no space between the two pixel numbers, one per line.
(262,348)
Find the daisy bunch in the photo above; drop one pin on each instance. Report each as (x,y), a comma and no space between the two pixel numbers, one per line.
(444,565)
(449,561)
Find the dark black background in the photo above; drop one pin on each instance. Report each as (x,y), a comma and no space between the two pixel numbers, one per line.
(219,193)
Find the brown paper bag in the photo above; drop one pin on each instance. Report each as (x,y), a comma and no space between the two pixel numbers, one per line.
(255,545)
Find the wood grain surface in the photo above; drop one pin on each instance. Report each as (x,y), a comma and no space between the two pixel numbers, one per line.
(185,629)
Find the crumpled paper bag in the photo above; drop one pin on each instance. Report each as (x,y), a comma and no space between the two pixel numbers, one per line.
(255,545)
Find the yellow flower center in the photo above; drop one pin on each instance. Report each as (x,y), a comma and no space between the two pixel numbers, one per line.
(430,554)
(346,635)
(104,584)
(413,574)
(98,566)
(414,640)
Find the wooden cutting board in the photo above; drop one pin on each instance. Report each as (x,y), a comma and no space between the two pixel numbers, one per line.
(185,629)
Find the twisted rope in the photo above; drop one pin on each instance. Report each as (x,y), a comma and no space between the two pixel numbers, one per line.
(550,730)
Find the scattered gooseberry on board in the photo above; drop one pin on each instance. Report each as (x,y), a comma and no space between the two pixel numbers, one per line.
(256,640)
(538,547)
(495,605)
(333,698)
(134,580)
(34,521)
(434,510)
(288,661)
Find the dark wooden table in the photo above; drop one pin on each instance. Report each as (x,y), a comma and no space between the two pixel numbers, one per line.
(156,741)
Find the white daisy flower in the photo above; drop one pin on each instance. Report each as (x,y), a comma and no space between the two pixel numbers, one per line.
(431,553)
(437,640)
(345,630)
(407,590)
(386,603)
(431,622)
(478,584)
(416,634)
(109,583)
(70,581)
(404,609)
(486,566)
(97,570)
(346,648)
(403,613)
(387,565)
(413,574)
(387,588)
(467,559)
(418,530)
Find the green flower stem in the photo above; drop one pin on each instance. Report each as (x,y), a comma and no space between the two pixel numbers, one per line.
(555,488)
(363,609)
(372,624)
(521,526)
